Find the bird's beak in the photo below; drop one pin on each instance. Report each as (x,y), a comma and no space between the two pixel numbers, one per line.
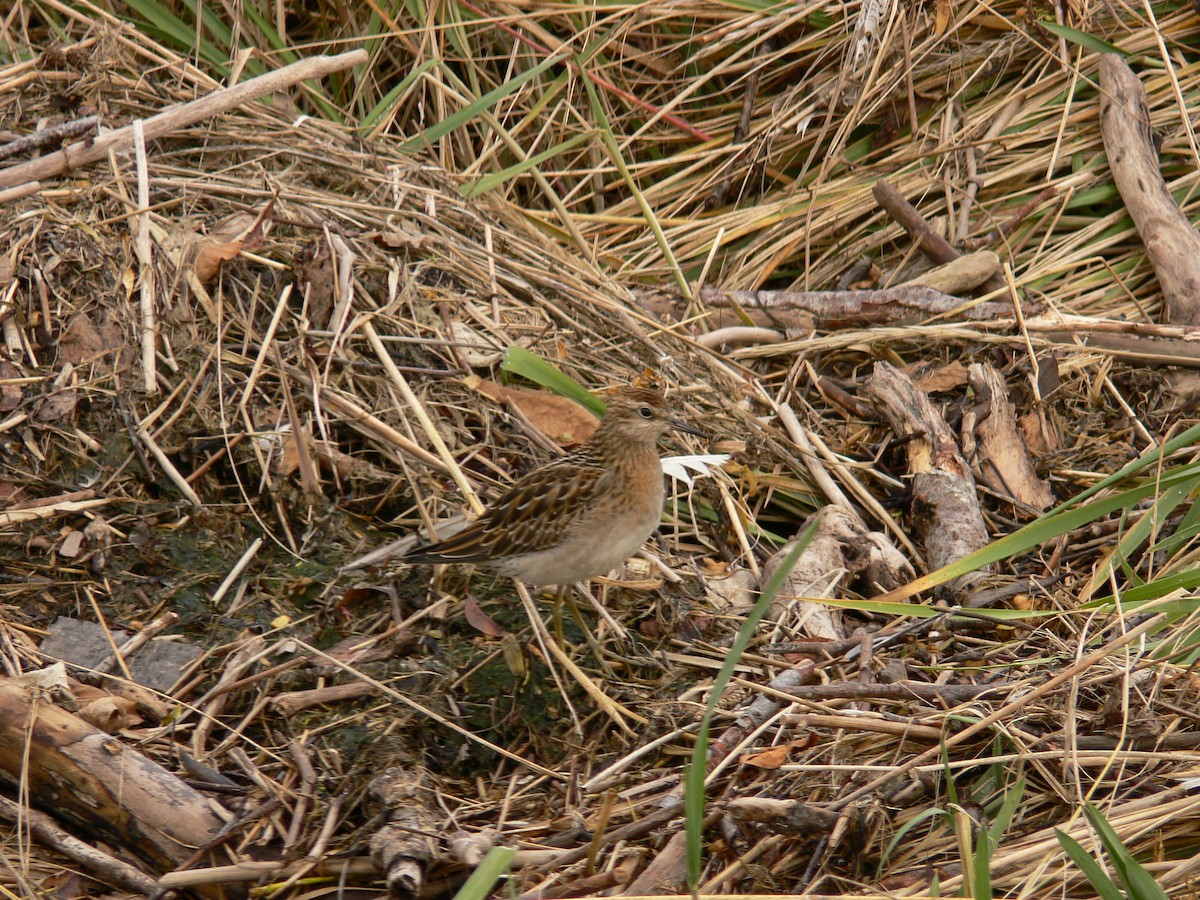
(690,429)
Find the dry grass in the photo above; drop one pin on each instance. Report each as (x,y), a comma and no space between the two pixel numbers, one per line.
(1005,121)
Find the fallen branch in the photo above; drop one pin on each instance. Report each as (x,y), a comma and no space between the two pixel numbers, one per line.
(98,783)
(802,311)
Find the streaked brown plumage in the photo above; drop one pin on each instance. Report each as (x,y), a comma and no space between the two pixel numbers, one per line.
(580,515)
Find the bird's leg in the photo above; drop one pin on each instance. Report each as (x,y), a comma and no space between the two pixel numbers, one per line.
(560,594)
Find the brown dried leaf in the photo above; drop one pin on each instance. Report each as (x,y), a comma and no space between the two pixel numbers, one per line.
(945,378)
(244,231)
(563,421)
(59,405)
(81,341)
(481,621)
(774,757)
(111,714)
(407,236)
(10,392)
(312,268)
(209,256)
(71,544)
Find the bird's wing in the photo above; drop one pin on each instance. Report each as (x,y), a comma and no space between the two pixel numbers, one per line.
(535,514)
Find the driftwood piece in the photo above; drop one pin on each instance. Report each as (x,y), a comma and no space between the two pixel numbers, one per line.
(91,779)
(945,507)
(963,274)
(182,115)
(903,691)
(802,311)
(667,872)
(1171,243)
(50,135)
(992,440)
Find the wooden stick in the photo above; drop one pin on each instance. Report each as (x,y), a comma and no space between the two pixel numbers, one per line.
(182,115)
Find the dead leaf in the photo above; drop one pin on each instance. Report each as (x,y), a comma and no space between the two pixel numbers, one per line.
(407,236)
(11,393)
(71,544)
(209,256)
(59,405)
(944,378)
(312,268)
(774,757)
(563,421)
(81,341)
(1039,440)
(481,621)
(111,714)
(244,231)
(477,350)
(289,454)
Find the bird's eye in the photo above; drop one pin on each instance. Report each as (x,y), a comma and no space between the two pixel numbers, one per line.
(646,412)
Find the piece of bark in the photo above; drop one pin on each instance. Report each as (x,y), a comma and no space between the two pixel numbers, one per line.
(844,547)
(759,710)
(95,782)
(292,702)
(791,816)
(101,865)
(937,694)
(407,841)
(945,506)
(990,429)
(1171,243)
(50,135)
(667,872)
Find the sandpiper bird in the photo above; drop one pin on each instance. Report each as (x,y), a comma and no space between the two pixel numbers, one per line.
(580,515)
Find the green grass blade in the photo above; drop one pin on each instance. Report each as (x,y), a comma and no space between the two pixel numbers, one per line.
(1104,886)
(495,179)
(380,110)
(934,812)
(519,361)
(1045,529)
(1081,38)
(1152,456)
(494,865)
(436,132)
(1003,817)
(1139,883)
(981,867)
(1156,515)
(614,152)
